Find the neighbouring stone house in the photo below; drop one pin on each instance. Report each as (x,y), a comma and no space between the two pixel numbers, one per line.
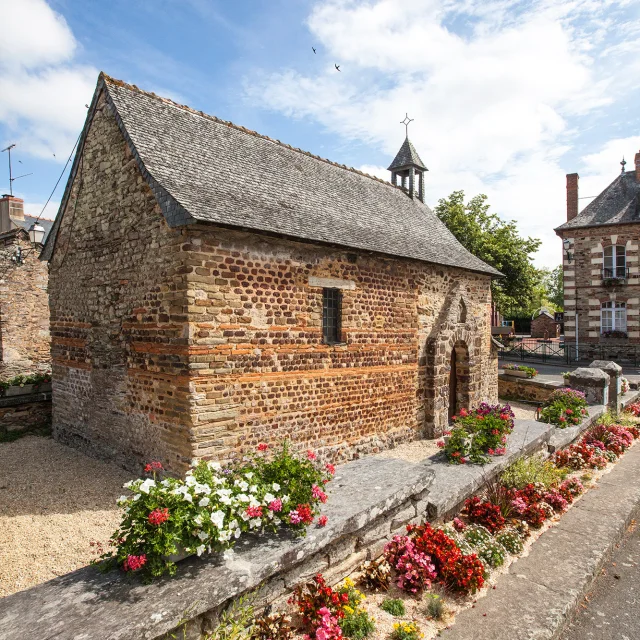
(24,308)
(212,288)
(544,326)
(600,262)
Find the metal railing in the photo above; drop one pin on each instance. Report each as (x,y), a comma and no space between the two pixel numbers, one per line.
(559,353)
(615,273)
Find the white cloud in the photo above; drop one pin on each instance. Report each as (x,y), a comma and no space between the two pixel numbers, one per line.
(42,89)
(495,99)
(35,209)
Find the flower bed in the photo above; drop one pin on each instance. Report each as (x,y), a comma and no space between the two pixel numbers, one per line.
(21,384)
(564,408)
(478,434)
(213,507)
(529,372)
(460,558)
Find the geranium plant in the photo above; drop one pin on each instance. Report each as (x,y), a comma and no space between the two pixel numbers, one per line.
(212,507)
(478,434)
(530,371)
(564,408)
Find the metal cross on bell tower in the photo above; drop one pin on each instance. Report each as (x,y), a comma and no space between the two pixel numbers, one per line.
(406,122)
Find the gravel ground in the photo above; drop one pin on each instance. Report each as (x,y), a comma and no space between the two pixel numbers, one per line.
(412,451)
(53,501)
(522,410)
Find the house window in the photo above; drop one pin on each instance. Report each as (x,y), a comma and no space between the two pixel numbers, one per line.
(615,262)
(614,316)
(331,312)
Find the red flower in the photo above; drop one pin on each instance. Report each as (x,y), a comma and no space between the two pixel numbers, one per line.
(133,563)
(310,455)
(331,469)
(440,444)
(305,513)
(569,412)
(153,466)
(254,512)
(318,493)
(158,516)
(263,446)
(463,413)
(322,521)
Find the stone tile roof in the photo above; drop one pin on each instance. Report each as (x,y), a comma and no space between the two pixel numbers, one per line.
(205,169)
(619,203)
(406,157)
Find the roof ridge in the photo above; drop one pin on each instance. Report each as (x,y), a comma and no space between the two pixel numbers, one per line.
(132,87)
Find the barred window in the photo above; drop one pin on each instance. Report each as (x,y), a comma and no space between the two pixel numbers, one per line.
(331,312)
(614,316)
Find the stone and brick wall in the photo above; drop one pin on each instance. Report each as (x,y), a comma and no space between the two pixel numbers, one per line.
(25,413)
(544,326)
(24,308)
(584,286)
(200,341)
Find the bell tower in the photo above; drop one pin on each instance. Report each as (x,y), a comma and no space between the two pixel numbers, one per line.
(408,166)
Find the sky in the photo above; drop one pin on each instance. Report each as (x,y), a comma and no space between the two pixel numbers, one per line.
(507,96)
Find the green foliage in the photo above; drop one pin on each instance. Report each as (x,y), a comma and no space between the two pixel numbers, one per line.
(435,606)
(496,242)
(477,535)
(394,606)
(553,282)
(530,371)
(564,408)
(511,541)
(236,622)
(357,625)
(493,553)
(21,381)
(531,470)
(406,631)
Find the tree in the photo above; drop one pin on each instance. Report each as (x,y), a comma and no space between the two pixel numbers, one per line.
(496,242)
(554,285)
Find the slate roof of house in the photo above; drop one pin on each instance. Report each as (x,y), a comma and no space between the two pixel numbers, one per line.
(205,169)
(619,203)
(406,157)
(45,223)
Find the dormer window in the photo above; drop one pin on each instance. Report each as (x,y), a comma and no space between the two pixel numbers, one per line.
(615,262)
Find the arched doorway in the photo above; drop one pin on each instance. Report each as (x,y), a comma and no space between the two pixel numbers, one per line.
(458,379)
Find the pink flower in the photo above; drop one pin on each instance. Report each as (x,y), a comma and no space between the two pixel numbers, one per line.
(263,446)
(133,563)
(331,469)
(322,521)
(294,517)
(310,455)
(463,413)
(275,505)
(318,493)
(440,444)
(458,525)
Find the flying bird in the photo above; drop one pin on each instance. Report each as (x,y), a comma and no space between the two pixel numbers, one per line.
(54,155)
(337,67)
(314,49)
(20,161)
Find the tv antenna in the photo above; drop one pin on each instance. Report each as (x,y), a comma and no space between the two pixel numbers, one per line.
(11,178)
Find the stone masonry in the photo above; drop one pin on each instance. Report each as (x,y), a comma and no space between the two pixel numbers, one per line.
(200,341)
(24,309)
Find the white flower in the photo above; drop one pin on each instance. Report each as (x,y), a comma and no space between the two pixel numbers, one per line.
(128,485)
(233,524)
(200,549)
(228,554)
(244,516)
(165,483)
(190,481)
(242,484)
(188,498)
(253,488)
(237,533)
(242,497)
(224,536)
(198,519)
(285,499)
(217,517)
(203,535)
(204,502)
(202,488)
(122,499)
(136,497)
(214,465)
(268,497)
(276,486)
(249,475)
(146,485)
(194,462)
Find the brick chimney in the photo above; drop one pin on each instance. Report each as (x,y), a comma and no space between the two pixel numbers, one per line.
(11,208)
(638,166)
(572,195)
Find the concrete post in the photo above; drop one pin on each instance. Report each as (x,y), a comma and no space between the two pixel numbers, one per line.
(594,383)
(614,371)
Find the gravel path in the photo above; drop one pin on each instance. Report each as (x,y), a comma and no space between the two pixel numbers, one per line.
(53,501)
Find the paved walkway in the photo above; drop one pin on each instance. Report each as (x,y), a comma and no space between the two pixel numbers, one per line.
(611,610)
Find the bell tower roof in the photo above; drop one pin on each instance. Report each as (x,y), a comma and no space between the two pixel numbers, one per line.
(407,157)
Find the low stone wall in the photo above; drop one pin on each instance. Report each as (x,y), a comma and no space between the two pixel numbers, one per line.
(25,413)
(369,501)
(512,388)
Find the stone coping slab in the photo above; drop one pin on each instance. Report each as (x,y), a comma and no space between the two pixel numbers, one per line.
(14,401)
(88,605)
(536,598)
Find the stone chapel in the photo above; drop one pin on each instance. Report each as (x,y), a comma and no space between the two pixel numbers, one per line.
(212,288)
